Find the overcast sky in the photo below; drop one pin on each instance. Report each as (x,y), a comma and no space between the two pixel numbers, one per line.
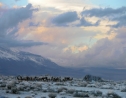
(76,33)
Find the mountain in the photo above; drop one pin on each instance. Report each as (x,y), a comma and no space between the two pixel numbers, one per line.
(13,62)
(18,62)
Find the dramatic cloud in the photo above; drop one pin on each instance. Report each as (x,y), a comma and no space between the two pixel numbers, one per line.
(85,23)
(9,20)
(104,53)
(75,46)
(109,53)
(12,17)
(92,37)
(121,21)
(69,17)
(63,5)
(65,18)
(118,14)
(102,12)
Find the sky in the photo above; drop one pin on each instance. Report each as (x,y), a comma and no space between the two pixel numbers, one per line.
(72,33)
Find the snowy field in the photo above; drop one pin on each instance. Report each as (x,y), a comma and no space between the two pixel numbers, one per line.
(11,87)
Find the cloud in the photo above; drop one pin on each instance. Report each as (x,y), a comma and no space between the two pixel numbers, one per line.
(106,52)
(85,23)
(103,12)
(12,17)
(65,18)
(63,5)
(65,41)
(76,49)
(1,4)
(19,43)
(34,24)
(118,14)
(121,21)
(9,20)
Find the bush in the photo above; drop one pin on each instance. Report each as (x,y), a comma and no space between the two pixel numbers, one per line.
(51,90)
(28,97)
(61,89)
(70,91)
(21,88)
(8,87)
(3,85)
(83,84)
(59,83)
(52,95)
(123,90)
(114,95)
(98,93)
(80,94)
(14,90)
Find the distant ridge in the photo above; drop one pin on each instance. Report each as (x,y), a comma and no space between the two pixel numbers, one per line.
(15,62)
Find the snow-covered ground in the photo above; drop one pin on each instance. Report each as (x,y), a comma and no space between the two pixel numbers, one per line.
(10,87)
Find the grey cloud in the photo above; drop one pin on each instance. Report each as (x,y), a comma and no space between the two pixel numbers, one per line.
(122,35)
(65,18)
(121,21)
(84,22)
(101,12)
(104,53)
(107,53)
(12,17)
(19,43)
(34,24)
(118,14)
(69,17)
(9,20)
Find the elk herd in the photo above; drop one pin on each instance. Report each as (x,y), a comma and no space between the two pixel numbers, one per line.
(44,78)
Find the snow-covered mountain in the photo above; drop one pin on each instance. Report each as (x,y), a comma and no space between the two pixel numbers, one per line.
(19,62)
(14,62)
(15,55)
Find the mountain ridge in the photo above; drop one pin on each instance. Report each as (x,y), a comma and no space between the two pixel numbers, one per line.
(15,62)
(12,62)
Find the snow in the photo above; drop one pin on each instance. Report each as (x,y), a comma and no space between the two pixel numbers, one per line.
(4,54)
(39,89)
(14,54)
